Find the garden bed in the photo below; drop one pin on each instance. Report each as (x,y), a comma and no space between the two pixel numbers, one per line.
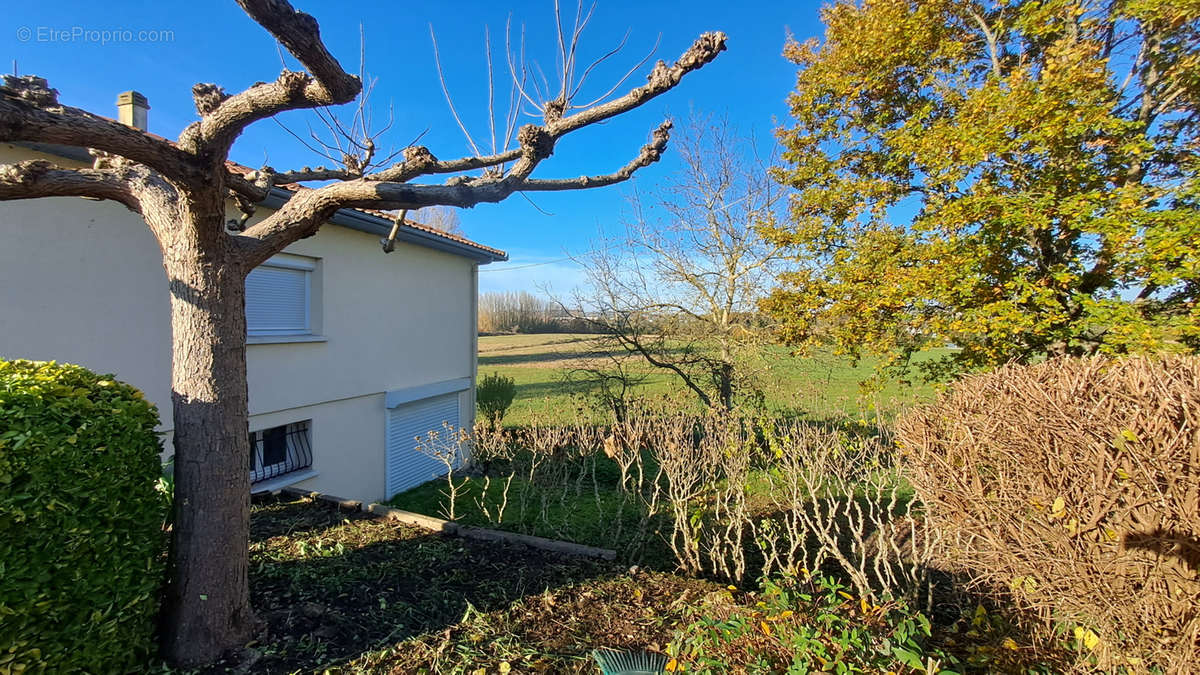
(343,591)
(349,592)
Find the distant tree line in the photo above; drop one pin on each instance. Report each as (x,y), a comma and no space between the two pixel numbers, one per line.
(524,312)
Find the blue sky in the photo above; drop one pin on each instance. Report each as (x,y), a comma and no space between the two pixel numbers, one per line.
(215,42)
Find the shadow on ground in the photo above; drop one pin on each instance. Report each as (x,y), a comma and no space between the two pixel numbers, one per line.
(551,357)
(343,592)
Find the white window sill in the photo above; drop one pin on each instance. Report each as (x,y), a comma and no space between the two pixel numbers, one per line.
(282,339)
(280,482)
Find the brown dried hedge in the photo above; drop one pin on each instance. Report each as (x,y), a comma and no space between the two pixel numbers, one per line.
(1074,486)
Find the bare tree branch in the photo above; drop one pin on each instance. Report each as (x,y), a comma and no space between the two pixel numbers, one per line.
(681,288)
(518,82)
(418,161)
(629,73)
(632,342)
(37,178)
(441,218)
(651,153)
(299,34)
(446,92)
(326,83)
(662,79)
(993,48)
(30,111)
(303,214)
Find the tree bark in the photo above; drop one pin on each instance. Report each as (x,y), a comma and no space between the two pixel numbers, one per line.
(725,369)
(207,609)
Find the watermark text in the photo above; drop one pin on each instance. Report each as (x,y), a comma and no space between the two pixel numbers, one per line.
(100,36)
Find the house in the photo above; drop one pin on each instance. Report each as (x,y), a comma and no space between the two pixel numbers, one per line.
(351,353)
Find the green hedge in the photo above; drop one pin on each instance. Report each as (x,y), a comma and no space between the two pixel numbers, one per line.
(81,521)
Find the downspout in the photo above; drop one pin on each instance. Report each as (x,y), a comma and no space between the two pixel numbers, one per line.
(474,356)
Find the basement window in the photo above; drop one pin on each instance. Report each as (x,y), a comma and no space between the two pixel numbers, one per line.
(280,450)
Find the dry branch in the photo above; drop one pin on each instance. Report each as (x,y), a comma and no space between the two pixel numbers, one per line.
(325,83)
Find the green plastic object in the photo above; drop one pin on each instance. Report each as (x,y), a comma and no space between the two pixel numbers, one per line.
(615,662)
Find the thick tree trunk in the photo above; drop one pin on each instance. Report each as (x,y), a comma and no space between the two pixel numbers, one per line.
(207,609)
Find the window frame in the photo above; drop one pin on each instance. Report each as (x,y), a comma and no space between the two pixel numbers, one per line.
(308,267)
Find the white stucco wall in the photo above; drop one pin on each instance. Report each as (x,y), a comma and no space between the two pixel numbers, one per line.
(347,442)
(390,321)
(81,281)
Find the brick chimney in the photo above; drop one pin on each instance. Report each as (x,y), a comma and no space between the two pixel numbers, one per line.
(131,109)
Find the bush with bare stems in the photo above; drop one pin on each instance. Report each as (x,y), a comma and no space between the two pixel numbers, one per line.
(840,500)
(1073,486)
(450,447)
(724,494)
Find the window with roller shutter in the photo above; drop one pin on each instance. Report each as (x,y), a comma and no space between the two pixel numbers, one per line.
(279,298)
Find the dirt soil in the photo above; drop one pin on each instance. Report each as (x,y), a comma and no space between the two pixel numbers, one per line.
(345,592)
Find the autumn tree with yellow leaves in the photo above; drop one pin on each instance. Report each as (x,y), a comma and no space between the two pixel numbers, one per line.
(1015,179)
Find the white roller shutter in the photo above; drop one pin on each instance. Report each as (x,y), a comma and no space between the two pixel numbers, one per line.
(407,468)
(277,301)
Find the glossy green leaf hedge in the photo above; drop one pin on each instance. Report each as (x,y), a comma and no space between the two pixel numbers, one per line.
(82,547)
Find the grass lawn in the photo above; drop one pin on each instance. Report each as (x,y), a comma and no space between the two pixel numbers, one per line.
(591,517)
(823,384)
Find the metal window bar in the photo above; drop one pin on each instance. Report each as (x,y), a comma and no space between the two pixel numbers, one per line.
(279,450)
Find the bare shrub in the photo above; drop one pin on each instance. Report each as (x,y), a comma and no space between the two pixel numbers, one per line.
(449,446)
(492,452)
(839,500)
(723,494)
(1074,486)
(802,496)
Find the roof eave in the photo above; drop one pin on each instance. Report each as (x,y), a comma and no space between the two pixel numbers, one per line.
(365,222)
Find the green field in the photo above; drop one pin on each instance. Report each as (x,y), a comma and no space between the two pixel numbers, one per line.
(589,508)
(822,385)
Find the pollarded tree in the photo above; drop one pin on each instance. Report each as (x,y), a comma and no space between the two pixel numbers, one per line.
(1018,179)
(181,190)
